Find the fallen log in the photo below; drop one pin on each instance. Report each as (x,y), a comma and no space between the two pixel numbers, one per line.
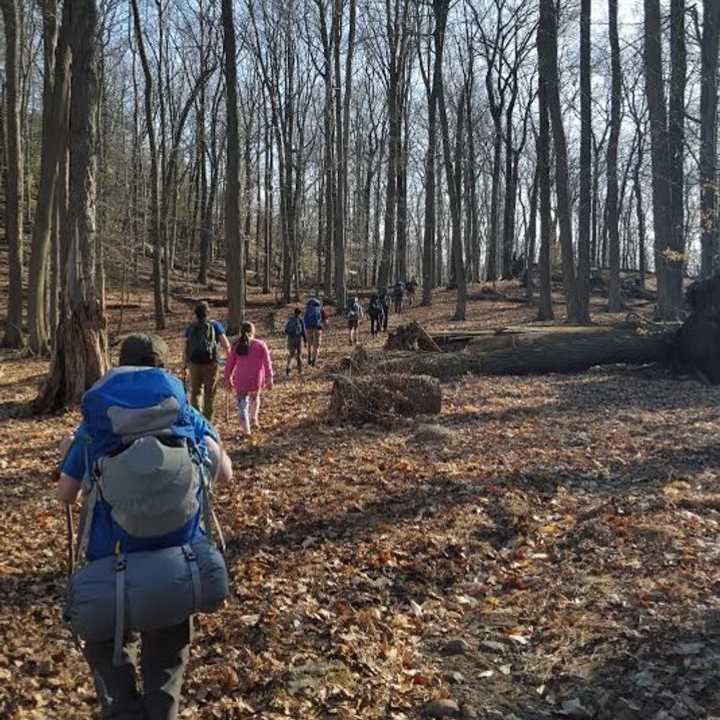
(492,295)
(412,336)
(372,398)
(549,350)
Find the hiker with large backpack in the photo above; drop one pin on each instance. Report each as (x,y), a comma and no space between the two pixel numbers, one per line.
(354,314)
(295,332)
(247,371)
(384,298)
(315,319)
(145,462)
(376,313)
(410,287)
(202,339)
(397,295)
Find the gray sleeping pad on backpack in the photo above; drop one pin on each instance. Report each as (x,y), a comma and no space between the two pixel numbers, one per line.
(145,590)
(152,487)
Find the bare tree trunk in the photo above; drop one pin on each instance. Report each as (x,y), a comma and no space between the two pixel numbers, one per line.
(55,109)
(80,353)
(154,226)
(708,137)
(545,308)
(13,175)
(676,151)
(584,208)
(233,241)
(612,213)
(547,46)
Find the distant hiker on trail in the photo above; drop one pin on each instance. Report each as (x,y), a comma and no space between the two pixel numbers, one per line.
(295,331)
(145,461)
(202,338)
(315,321)
(376,313)
(410,287)
(354,315)
(397,296)
(385,302)
(248,370)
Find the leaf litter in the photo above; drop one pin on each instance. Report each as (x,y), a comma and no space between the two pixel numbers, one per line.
(558,533)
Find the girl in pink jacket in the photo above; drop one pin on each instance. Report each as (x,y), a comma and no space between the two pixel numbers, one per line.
(248,369)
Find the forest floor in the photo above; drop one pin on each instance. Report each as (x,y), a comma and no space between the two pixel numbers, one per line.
(549,549)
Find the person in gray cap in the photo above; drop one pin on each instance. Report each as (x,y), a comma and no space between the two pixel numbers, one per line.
(142,386)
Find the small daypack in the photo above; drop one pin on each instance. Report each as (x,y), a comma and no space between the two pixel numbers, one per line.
(294,328)
(313,314)
(202,343)
(353,309)
(153,482)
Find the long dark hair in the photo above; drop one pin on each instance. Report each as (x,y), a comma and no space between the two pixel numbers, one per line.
(242,346)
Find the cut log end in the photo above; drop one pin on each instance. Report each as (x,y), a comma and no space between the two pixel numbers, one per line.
(375,398)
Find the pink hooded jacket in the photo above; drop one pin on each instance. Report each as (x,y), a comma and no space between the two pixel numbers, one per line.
(252,372)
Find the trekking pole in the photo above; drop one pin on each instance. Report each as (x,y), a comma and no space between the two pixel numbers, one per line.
(71,541)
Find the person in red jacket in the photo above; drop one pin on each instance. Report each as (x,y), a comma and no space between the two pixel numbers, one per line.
(248,370)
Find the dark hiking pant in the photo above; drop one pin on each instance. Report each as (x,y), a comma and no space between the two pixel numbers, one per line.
(162,664)
(376,322)
(398,305)
(294,353)
(386,314)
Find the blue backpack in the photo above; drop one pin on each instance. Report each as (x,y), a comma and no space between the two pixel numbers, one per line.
(313,314)
(148,518)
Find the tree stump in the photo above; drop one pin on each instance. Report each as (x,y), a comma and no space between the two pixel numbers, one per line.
(372,398)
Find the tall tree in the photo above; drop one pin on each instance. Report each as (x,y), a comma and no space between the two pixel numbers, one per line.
(708,137)
(548,49)
(542,142)
(585,204)
(80,354)
(612,211)
(432,78)
(154,224)
(14,336)
(234,246)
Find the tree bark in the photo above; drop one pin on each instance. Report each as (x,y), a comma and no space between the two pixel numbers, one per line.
(80,354)
(708,137)
(547,47)
(545,309)
(55,128)
(14,336)
(233,241)
(154,225)
(585,204)
(614,299)
(546,350)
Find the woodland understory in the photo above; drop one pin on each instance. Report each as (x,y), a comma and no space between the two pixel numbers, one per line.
(546,547)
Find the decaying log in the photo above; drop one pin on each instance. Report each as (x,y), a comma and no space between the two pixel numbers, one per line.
(547,350)
(370,398)
(412,336)
(491,294)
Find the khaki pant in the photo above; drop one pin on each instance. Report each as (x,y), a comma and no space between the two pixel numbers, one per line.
(161,663)
(203,383)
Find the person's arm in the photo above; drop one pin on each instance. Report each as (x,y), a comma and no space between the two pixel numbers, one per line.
(224,343)
(230,364)
(267,365)
(220,460)
(302,325)
(71,469)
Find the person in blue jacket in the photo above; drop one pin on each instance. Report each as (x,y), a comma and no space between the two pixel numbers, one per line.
(165,651)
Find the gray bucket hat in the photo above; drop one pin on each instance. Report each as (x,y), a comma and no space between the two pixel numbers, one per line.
(139,349)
